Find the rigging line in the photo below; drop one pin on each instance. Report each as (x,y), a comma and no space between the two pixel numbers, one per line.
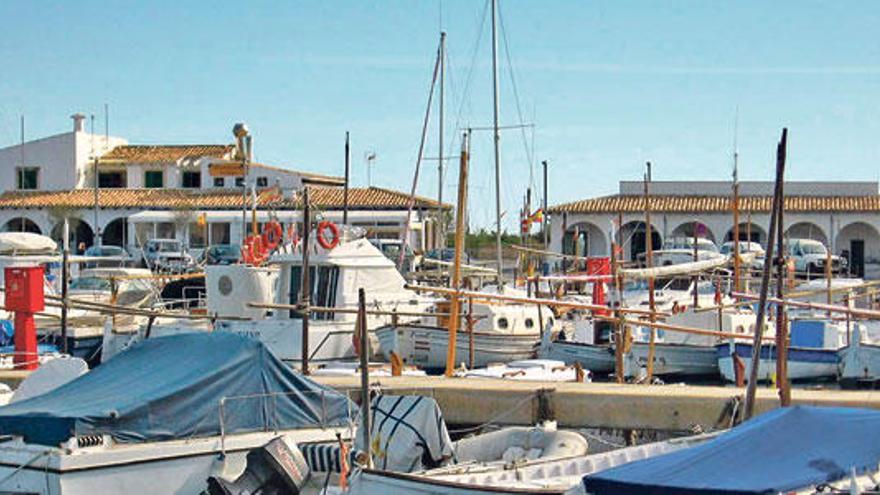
(412,196)
(529,154)
(467,83)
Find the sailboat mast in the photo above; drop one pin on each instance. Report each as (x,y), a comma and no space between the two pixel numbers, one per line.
(441,234)
(496,141)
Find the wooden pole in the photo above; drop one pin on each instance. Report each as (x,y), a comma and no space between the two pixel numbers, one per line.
(347,178)
(649,262)
(765,280)
(365,372)
(782,384)
(470,329)
(65,283)
(459,246)
(544,221)
(736,259)
(828,275)
(618,326)
(305,287)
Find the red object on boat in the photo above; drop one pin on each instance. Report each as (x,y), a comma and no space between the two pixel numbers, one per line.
(599,266)
(25,296)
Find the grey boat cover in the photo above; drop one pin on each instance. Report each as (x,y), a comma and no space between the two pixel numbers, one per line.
(168,388)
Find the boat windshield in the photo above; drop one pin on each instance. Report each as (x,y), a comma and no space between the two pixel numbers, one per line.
(165,246)
(90,283)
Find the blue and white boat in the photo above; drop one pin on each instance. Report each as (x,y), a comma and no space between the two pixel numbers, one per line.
(812,354)
(788,450)
(162,417)
(860,359)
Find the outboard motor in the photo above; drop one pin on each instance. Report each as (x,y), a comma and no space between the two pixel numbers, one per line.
(275,468)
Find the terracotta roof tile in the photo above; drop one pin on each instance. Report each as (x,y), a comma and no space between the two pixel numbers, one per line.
(718,204)
(328,198)
(145,153)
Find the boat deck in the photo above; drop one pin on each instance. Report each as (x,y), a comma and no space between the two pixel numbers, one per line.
(600,405)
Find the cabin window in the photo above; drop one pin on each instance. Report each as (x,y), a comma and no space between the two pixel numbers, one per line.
(219,182)
(239,182)
(154,179)
(530,323)
(502,323)
(262,182)
(220,233)
(324,281)
(27,178)
(191,180)
(197,235)
(165,230)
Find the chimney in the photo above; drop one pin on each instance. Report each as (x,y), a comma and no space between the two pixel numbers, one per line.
(79,122)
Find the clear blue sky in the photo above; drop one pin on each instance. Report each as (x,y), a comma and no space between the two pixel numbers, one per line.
(608,84)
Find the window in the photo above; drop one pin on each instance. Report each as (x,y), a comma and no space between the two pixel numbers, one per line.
(197,235)
(164,230)
(27,177)
(220,233)
(530,323)
(239,182)
(143,232)
(219,182)
(191,180)
(502,323)
(111,180)
(324,281)
(262,182)
(154,179)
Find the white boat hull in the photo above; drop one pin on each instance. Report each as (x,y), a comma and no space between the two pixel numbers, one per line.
(673,359)
(181,467)
(803,364)
(426,346)
(599,359)
(860,366)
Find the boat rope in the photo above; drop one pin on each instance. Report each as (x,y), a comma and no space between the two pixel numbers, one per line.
(495,419)
(24,465)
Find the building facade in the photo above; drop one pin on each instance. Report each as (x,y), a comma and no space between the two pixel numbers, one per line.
(125,194)
(845,216)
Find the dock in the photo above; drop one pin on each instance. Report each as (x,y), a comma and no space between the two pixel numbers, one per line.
(594,405)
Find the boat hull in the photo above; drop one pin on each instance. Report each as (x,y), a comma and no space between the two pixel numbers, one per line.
(598,359)
(673,359)
(804,364)
(425,346)
(860,366)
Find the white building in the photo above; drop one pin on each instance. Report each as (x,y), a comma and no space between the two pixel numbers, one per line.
(842,215)
(159,191)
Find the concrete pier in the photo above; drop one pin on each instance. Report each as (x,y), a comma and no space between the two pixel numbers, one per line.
(601,405)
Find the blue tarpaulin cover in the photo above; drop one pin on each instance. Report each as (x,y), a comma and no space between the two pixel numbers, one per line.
(167,388)
(781,450)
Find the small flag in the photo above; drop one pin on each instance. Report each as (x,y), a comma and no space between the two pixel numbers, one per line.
(202,219)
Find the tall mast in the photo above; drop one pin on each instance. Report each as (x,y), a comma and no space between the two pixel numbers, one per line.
(496,141)
(441,235)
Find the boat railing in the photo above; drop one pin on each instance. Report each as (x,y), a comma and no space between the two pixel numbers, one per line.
(268,408)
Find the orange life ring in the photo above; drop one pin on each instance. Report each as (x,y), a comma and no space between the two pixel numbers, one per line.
(322,239)
(271,236)
(253,251)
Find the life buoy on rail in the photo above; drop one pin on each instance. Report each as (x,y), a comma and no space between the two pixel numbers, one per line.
(271,236)
(253,252)
(322,237)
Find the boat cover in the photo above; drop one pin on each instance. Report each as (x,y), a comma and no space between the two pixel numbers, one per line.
(782,450)
(179,386)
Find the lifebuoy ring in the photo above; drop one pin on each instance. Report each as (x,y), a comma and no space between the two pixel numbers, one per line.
(253,251)
(322,239)
(271,236)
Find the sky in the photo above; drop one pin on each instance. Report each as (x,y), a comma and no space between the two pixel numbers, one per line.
(604,86)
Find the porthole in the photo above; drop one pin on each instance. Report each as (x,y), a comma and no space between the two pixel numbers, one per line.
(502,323)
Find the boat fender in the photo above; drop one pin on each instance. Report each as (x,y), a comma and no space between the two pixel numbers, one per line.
(271,235)
(322,237)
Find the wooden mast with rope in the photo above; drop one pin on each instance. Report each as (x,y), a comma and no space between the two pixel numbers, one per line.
(649,262)
(461,207)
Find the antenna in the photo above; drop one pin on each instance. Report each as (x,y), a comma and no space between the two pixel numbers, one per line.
(106,125)
(735,146)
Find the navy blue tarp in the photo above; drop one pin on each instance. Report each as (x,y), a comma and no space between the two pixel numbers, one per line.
(781,450)
(171,387)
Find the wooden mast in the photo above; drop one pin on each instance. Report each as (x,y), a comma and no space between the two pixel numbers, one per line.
(649,262)
(461,207)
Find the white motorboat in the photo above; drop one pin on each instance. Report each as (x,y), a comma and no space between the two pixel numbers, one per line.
(161,418)
(540,370)
(812,353)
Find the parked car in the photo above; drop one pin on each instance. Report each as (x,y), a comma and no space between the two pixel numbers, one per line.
(391,249)
(114,256)
(447,255)
(167,255)
(809,257)
(222,254)
(746,247)
(681,250)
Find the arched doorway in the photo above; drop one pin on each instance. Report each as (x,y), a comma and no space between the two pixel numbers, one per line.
(633,235)
(590,240)
(115,233)
(748,232)
(81,234)
(806,230)
(687,230)
(859,243)
(21,224)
